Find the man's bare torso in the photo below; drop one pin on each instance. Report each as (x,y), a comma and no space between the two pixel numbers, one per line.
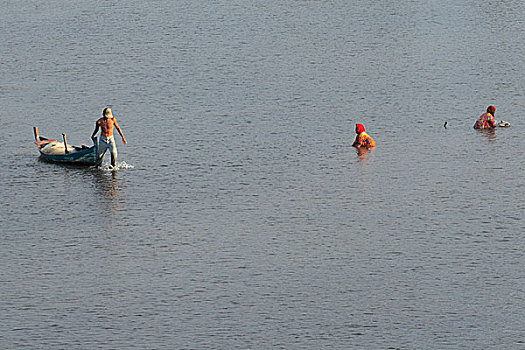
(106,126)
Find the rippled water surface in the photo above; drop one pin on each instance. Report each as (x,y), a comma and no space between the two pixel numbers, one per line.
(241,217)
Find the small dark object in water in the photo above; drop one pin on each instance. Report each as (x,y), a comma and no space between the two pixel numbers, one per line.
(445,125)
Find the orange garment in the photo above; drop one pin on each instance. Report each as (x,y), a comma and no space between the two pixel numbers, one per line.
(106,126)
(485,121)
(364,140)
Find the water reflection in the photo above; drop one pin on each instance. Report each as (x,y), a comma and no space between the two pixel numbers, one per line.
(489,134)
(106,183)
(363,153)
(107,186)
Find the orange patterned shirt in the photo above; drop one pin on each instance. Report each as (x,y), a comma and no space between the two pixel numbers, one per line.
(364,140)
(485,121)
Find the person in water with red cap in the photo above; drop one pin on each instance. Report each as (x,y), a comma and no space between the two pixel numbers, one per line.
(486,120)
(362,139)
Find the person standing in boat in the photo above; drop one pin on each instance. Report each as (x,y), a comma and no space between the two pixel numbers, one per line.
(362,139)
(106,140)
(486,120)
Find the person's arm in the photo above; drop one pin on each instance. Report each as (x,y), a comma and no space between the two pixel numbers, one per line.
(94,136)
(492,121)
(120,131)
(357,142)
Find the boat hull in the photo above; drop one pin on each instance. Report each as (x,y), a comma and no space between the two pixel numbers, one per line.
(78,155)
(87,157)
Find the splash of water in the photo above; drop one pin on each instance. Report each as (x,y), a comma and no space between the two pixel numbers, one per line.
(120,166)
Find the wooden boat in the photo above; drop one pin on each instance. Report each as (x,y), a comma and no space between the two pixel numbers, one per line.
(53,150)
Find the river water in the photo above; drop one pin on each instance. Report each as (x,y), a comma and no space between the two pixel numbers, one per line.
(241,217)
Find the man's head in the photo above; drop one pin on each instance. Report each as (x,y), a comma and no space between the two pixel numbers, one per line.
(107,113)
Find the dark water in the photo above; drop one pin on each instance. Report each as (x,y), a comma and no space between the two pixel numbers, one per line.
(241,217)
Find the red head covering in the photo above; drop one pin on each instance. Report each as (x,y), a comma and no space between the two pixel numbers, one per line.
(359,128)
(491,109)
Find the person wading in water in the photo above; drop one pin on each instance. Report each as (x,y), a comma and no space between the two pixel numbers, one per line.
(106,140)
(363,139)
(486,120)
